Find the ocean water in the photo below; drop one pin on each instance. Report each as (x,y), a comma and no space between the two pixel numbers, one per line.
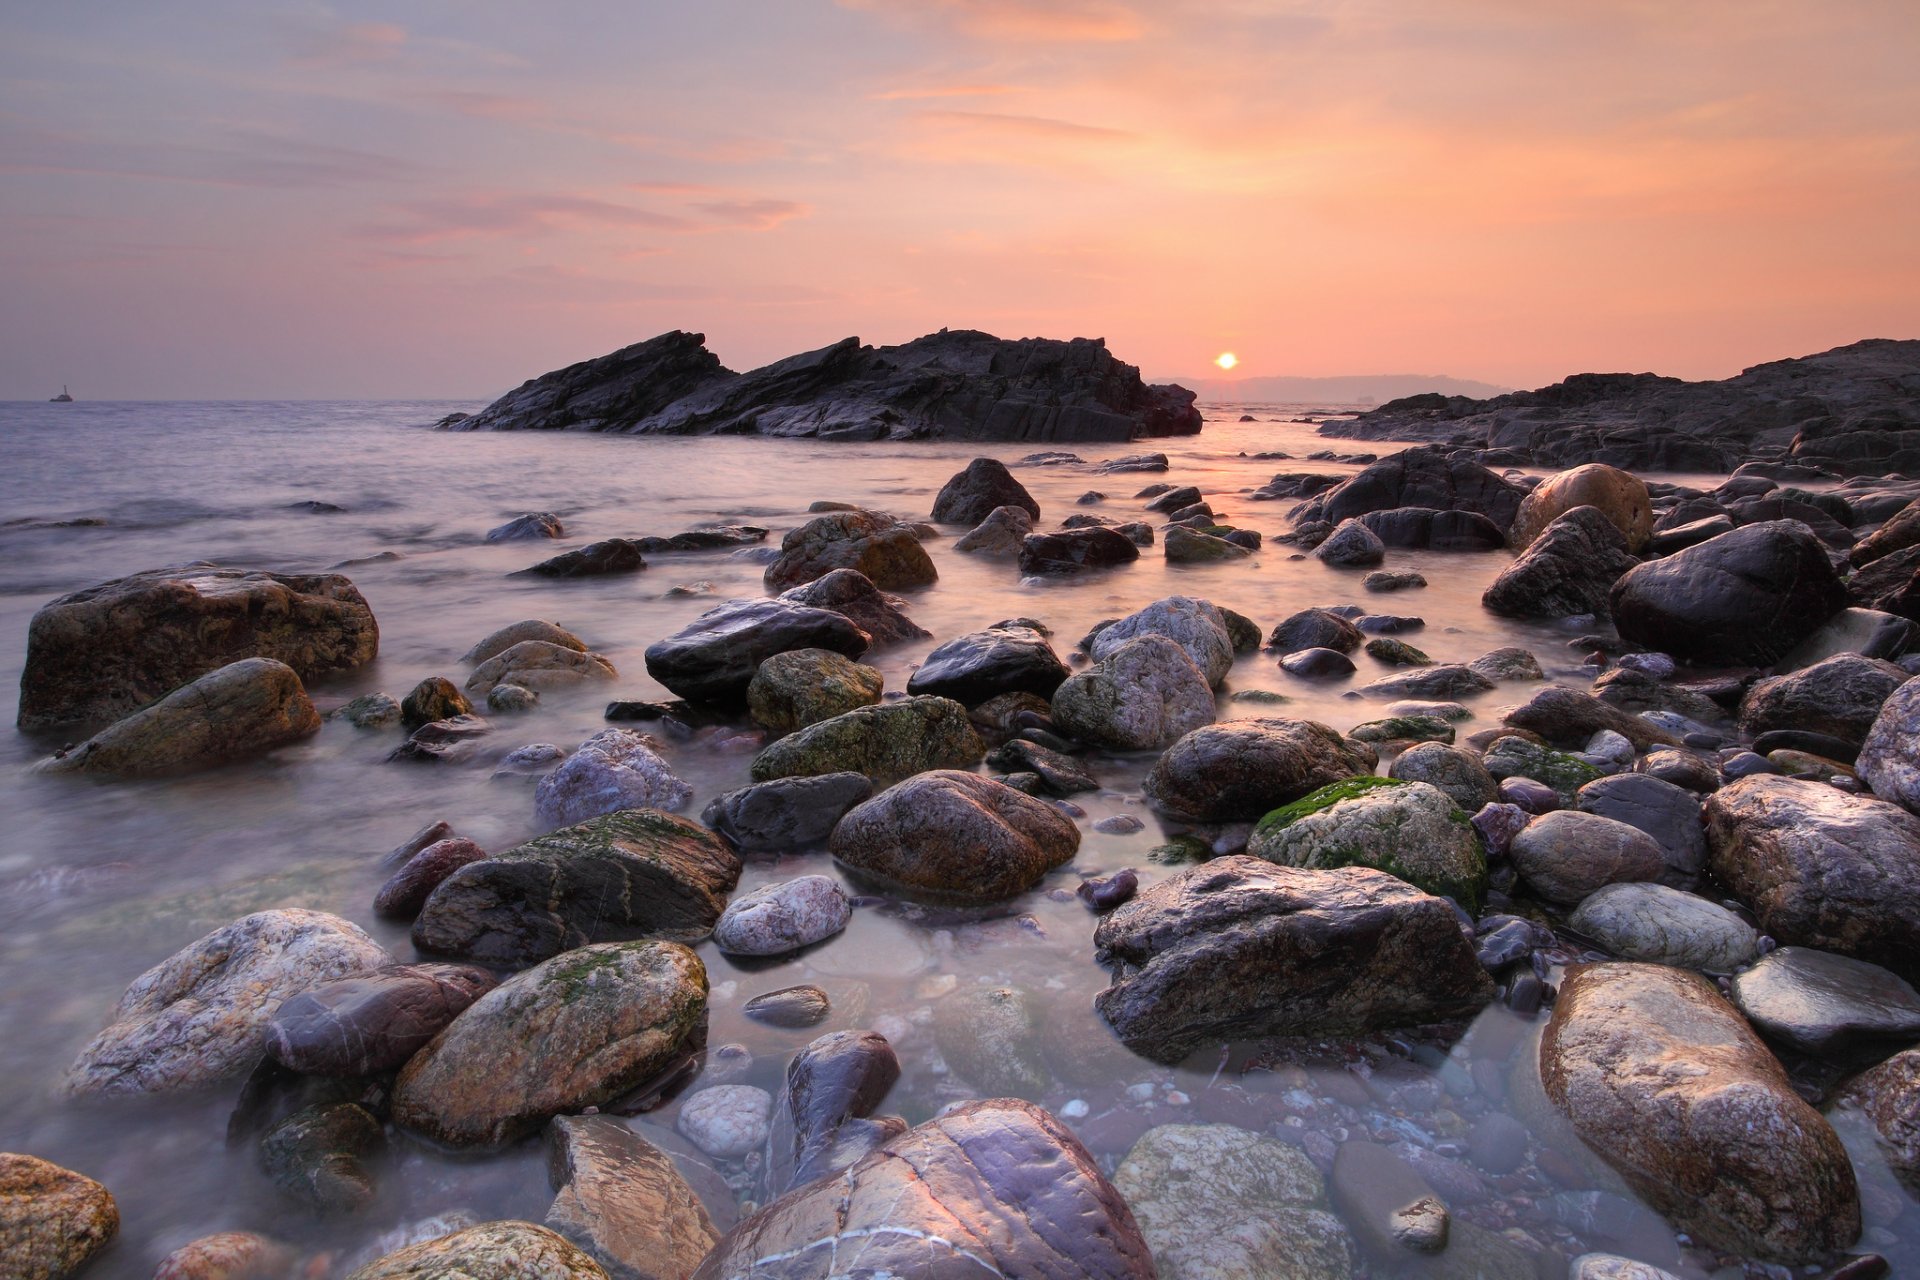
(99,880)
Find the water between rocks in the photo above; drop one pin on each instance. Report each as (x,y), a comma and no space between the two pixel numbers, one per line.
(100,880)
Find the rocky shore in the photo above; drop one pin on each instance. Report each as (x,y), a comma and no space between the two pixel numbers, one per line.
(1618,969)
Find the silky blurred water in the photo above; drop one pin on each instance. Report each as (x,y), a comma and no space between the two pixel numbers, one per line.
(100,880)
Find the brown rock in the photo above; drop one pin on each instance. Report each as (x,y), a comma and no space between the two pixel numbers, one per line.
(52,1220)
(880,547)
(244,709)
(621,1199)
(955,835)
(1616,494)
(490,1251)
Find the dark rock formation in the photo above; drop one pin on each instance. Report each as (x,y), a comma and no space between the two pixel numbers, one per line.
(1568,569)
(1418,478)
(971,495)
(713,658)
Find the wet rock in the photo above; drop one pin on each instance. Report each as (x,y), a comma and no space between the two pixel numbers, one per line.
(971,494)
(1219,1203)
(955,835)
(530,527)
(998,534)
(620,1199)
(1387,580)
(1444,681)
(1396,653)
(1317,664)
(1515,757)
(402,896)
(1664,1080)
(1406,829)
(1104,893)
(1240,771)
(1658,925)
(434,698)
(615,769)
(1889,759)
(1380,1196)
(787,813)
(1509,662)
(1427,529)
(1240,948)
(369,711)
(508,698)
(635,872)
(317,1155)
(243,710)
(1422,477)
(596,559)
(490,1251)
(1420,729)
(1075,551)
(109,650)
(983,664)
(52,1220)
(1617,495)
(1197,626)
(1351,546)
(575,1031)
(1566,855)
(443,741)
(1497,825)
(1568,570)
(713,658)
(1887,1097)
(991,1037)
(779,918)
(1747,597)
(372,1022)
(1569,718)
(498,642)
(1315,629)
(802,1006)
(1058,773)
(1529,796)
(1454,770)
(1670,814)
(726,1121)
(198,1018)
(227,1255)
(1685,769)
(1820,868)
(705,538)
(1825,1004)
(953,1196)
(1839,696)
(537,665)
(1901,531)
(879,547)
(887,743)
(1611,1266)
(831,1085)
(852,595)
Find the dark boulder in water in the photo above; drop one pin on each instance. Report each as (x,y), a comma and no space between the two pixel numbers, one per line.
(971,495)
(1075,551)
(1418,478)
(615,555)
(713,658)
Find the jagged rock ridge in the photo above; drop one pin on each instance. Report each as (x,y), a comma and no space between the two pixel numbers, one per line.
(956,384)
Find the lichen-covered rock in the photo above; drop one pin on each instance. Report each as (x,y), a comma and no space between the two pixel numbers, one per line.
(1421,729)
(633,873)
(1516,757)
(1565,856)
(984,664)
(490,1251)
(1658,925)
(1406,829)
(1664,1080)
(573,1032)
(1141,695)
(878,546)
(52,1220)
(1240,948)
(614,769)
(111,649)
(1618,495)
(786,813)
(973,493)
(778,918)
(620,1198)
(372,1022)
(199,1018)
(888,743)
(1197,626)
(800,687)
(244,709)
(1241,770)
(538,665)
(955,835)
(714,657)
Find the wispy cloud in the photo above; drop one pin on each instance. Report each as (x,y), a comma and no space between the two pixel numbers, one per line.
(921,92)
(1027,126)
(346,44)
(240,159)
(751,215)
(1061,21)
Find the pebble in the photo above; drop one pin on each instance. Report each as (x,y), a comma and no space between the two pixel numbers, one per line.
(1120,824)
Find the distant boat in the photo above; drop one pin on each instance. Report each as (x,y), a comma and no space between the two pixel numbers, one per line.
(63,397)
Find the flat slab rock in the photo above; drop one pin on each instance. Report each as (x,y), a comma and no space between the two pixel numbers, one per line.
(1822,1003)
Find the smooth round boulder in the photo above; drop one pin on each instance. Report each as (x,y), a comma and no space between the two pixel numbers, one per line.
(888,743)
(1658,925)
(984,664)
(1840,696)
(434,698)
(1197,626)
(52,1220)
(1406,829)
(538,665)
(1618,495)
(971,495)
(490,1251)
(408,889)
(498,642)
(1351,546)
(778,918)
(1242,770)
(1566,855)
(1454,770)
(615,769)
(1143,694)
(1317,664)
(374,1022)
(726,1121)
(1315,629)
(880,548)
(1889,759)
(956,836)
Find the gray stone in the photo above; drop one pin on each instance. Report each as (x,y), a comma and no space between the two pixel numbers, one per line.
(714,657)
(786,813)
(998,534)
(1567,855)
(614,769)
(498,642)
(1567,570)
(726,1121)
(1668,813)
(538,665)
(984,664)
(240,711)
(1658,925)
(1197,626)
(1351,545)
(783,917)
(1142,695)
(1826,1004)
(1889,759)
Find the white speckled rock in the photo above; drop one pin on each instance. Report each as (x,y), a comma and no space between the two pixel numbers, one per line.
(1144,693)
(728,1120)
(1658,925)
(1890,758)
(614,769)
(1611,1266)
(783,917)
(1197,626)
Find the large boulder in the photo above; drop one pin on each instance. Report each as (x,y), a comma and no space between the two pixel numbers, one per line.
(1567,569)
(1406,829)
(888,743)
(621,1199)
(1422,477)
(1889,759)
(371,1022)
(850,593)
(1820,868)
(971,495)
(52,1220)
(1617,495)
(983,664)
(198,1019)
(636,873)
(1839,696)
(111,649)
(490,1251)
(243,710)
(713,658)
(1240,949)
(994,1188)
(1143,694)
(1425,529)
(1242,770)
(1454,770)
(1666,1081)
(786,813)
(1746,597)
(615,769)
(1197,626)
(576,1031)
(884,550)
(800,687)
(955,835)
(1659,925)
(1075,551)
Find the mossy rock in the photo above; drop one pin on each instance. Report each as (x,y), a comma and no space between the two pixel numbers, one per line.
(1397,653)
(1565,772)
(1325,798)
(1181,849)
(1407,829)
(1403,729)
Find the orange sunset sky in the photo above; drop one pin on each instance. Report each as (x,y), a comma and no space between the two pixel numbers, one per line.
(442,198)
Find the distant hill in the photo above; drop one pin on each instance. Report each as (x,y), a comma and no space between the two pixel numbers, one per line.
(1375,388)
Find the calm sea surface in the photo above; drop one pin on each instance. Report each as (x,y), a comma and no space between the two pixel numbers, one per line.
(100,880)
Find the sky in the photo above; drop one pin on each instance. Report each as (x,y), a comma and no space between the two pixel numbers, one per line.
(251,199)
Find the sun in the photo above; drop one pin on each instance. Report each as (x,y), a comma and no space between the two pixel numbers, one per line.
(1226,359)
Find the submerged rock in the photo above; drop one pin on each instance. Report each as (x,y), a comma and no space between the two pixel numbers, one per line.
(1142,694)
(596,559)
(984,664)
(991,1037)
(52,1220)
(888,743)
(498,642)
(831,1085)
(620,1198)
(955,835)
(316,1156)
(615,769)
(243,710)
(779,918)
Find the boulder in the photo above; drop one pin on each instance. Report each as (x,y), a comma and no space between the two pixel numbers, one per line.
(490,1251)
(1241,770)
(1839,696)
(801,1006)
(1566,855)
(595,560)
(1318,664)
(1191,546)
(318,1156)
(881,548)
(999,534)
(1517,757)
(1568,569)
(1425,529)
(1315,629)
(498,642)
(1665,1081)
(786,813)
(1900,531)
(615,769)
(1619,496)
(573,1032)
(111,649)
(1197,626)
(983,664)
(887,743)
(1075,551)
(538,665)
(1668,813)
(371,1022)
(636,873)
(1406,829)
(726,1121)
(1821,868)
(1422,477)
(1887,1097)
(1658,925)
(851,594)
(619,1198)
(1454,770)
(972,494)
(800,687)
(1568,718)
(1889,759)
(198,1019)
(52,1220)
(994,1188)
(713,658)
(1142,695)
(1351,546)
(1746,597)
(434,698)
(779,918)
(1241,949)
(831,1086)
(243,710)
(955,835)
(1827,1005)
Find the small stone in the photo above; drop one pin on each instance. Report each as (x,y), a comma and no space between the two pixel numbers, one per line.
(783,917)
(802,1006)
(370,711)
(1422,1226)
(52,1220)
(727,1121)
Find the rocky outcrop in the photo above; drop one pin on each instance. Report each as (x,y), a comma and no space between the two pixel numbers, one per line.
(111,649)
(243,710)
(952,385)
(955,835)
(713,658)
